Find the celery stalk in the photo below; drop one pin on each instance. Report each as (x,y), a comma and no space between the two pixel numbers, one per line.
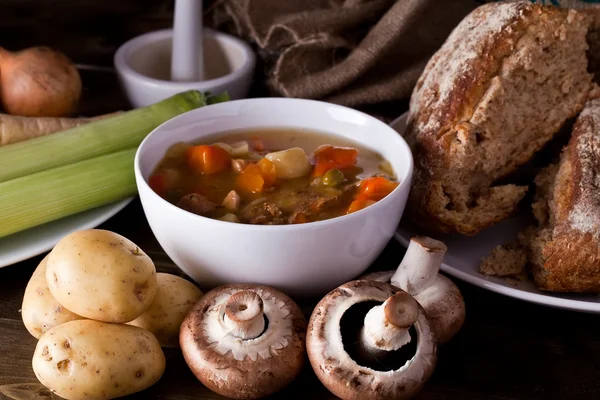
(45,196)
(107,135)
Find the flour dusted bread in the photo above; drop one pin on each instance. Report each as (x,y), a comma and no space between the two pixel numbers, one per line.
(564,250)
(501,86)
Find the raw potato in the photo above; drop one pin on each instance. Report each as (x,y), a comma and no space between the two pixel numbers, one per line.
(101,275)
(40,310)
(290,163)
(88,359)
(174,298)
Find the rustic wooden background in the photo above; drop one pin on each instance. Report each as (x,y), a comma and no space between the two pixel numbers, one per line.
(88,31)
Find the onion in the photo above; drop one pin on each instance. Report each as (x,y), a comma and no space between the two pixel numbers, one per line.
(38,82)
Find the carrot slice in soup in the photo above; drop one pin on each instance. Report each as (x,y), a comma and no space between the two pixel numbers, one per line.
(322,167)
(250,180)
(329,157)
(376,188)
(359,204)
(158,184)
(267,169)
(206,159)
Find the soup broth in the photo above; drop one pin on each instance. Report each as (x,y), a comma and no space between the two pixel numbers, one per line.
(272,176)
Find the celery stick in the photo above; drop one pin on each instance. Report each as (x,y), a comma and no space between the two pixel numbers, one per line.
(45,196)
(107,135)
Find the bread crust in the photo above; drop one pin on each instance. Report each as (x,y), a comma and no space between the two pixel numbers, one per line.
(451,114)
(570,254)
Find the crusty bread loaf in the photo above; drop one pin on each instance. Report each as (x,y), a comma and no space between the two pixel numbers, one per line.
(504,82)
(564,250)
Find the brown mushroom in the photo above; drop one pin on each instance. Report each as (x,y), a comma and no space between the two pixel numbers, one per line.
(418,274)
(244,341)
(385,329)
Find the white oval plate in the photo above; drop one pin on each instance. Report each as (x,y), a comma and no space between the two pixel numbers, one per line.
(40,239)
(464,255)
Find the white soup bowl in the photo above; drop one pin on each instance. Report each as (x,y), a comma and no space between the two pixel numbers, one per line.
(302,259)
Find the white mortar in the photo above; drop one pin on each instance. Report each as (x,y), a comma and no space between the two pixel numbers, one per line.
(143,66)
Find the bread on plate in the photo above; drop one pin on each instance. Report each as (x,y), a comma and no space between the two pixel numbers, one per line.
(564,249)
(502,85)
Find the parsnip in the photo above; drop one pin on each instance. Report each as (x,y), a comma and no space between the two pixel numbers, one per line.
(14,129)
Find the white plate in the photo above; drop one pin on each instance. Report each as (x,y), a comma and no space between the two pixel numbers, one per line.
(464,255)
(35,241)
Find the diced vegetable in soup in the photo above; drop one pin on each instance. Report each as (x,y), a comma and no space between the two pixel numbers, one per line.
(272,177)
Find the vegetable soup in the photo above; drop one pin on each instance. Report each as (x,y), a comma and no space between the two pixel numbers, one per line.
(272,176)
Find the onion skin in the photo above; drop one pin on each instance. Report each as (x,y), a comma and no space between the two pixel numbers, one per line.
(38,82)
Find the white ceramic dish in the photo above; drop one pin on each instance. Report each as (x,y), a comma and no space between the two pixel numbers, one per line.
(304,259)
(35,241)
(464,255)
(143,66)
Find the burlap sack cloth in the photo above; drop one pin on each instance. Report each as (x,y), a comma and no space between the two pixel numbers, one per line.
(366,54)
(358,53)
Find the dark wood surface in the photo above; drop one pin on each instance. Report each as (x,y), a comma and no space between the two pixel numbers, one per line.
(507,349)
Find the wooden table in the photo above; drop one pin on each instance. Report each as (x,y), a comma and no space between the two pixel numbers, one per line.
(507,349)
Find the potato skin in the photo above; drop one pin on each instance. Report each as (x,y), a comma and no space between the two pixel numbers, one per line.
(87,359)
(101,275)
(174,299)
(40,311)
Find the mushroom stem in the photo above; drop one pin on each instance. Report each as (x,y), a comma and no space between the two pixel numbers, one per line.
(244,315)
(420,265)
(386,326)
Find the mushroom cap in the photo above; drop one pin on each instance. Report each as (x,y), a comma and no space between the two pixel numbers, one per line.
(379,276)
(244,369)
(442,301)
(445,307)
(343,376)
